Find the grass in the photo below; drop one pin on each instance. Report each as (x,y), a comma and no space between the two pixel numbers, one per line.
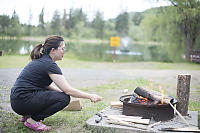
(75,121)
(70,61)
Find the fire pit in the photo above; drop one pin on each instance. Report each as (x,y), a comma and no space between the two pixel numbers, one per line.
(147,108)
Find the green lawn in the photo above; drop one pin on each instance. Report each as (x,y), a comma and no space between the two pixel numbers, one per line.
(70,61)
(75,121)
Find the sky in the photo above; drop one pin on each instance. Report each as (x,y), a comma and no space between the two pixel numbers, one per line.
(109,8)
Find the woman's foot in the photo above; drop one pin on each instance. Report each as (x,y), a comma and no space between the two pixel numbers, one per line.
(36,126)
(24,118)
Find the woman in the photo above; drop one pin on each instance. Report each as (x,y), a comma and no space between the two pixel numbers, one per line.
(33,96)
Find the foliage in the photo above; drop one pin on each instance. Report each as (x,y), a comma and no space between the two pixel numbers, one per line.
(42,23)
(188,17)
(4,23)
(98,25)
(14,28)
(56,23)
(174,28)
(122,24)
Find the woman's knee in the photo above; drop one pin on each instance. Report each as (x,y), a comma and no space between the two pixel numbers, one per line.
(66,99)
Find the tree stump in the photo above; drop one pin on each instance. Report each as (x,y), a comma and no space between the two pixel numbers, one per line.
(183,92)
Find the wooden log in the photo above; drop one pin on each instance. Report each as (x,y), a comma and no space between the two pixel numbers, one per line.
(125,116)
(124,123)
(116,104)
(128,119)
(154,124)
(184,129)
(74,105)
(183,91)
(152,95)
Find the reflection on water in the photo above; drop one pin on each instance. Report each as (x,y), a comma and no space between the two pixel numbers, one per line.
(16,46)
(119,52)
(23,50)
(86,51)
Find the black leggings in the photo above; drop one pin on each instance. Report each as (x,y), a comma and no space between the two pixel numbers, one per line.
(40,104)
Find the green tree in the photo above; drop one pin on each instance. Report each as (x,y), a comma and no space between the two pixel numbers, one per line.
(188,18)
(41,25)
(14,25)
(4,24)
(29,26)
(76,16)
(122,24)
(56,23)
(64,19)
(137,18)
(98,25)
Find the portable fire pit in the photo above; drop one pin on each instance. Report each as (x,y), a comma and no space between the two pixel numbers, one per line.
(149,106)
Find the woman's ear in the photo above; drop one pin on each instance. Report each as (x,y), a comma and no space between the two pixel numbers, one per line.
(52,50)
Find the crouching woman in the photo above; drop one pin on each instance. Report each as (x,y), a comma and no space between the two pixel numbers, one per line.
(33,96)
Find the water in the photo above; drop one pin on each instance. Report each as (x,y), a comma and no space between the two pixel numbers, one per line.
(91,51)
(119,52)
(16,46)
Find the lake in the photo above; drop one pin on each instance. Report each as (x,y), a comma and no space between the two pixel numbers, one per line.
(92,51)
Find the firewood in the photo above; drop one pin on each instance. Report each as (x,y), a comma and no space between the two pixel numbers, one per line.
(125,116)
(185,129)
(124,123)
(152,95)
(133,120)
(154,124)
(116,104)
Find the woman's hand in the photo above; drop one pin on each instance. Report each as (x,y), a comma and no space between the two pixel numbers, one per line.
(95,98)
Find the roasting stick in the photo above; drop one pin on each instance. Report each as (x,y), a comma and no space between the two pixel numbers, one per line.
(179,114)
(154,124)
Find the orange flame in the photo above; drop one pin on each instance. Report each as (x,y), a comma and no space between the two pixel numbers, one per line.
(162,94)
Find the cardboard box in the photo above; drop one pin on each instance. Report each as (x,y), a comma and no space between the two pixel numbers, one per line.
(74,105)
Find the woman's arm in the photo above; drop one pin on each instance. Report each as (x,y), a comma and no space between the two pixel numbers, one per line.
(62,83)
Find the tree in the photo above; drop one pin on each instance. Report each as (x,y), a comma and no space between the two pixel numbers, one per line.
(42,23)
(137,17)
(64,19)
(188,18)
(122,23)
(76,16)
(28,31)
(98,25)
(14,26)
(56,23)
(4,24)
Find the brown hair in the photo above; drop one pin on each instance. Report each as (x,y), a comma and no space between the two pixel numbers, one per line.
(50,42)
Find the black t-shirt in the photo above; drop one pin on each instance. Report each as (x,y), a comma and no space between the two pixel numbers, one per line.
(35,76)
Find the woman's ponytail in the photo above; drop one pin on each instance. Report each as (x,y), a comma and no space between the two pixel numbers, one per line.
(53,41)
(36,52)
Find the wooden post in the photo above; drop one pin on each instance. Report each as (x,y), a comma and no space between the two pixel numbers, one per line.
(183,92)
(114,54)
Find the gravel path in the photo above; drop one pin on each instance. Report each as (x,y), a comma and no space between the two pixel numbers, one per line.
(85,77)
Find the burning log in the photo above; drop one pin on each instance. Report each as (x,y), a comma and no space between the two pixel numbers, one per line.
(153,95)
